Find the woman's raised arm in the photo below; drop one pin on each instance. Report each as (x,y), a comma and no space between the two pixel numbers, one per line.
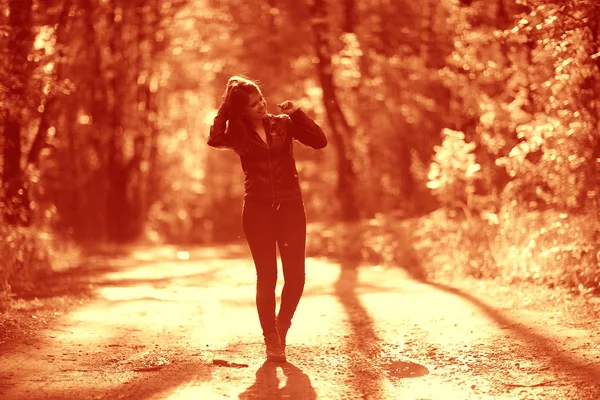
(217,136)
(306,131)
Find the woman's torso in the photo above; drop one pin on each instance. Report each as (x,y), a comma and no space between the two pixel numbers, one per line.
(269,168)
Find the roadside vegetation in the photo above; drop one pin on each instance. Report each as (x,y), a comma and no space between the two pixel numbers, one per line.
(464,135)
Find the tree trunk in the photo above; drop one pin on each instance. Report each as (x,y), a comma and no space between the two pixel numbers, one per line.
(350,16)
(40,137)
(16,207)
(152,173)
(340,129)
(117,204)
(95,201)
(139,185)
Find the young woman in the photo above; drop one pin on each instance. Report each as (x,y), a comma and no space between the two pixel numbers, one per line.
(273,210)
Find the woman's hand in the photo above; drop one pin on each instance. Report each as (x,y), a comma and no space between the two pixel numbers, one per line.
(229,105)
(288,107)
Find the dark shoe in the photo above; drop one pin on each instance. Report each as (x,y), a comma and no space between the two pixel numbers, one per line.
(275,351)
(283,328)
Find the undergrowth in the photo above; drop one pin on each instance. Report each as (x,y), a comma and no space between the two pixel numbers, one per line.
(27,254)
(543,247)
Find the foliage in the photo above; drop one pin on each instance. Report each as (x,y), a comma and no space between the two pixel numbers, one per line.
(454,170)
(529,79)
(489,109)
(548,247)
(526,80)
(542,247)
(27,255)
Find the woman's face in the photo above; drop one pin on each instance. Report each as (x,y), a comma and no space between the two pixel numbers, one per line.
(257,106)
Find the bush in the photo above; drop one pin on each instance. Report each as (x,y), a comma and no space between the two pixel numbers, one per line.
(550,247)
(27,253)
(454,169)
(543,247)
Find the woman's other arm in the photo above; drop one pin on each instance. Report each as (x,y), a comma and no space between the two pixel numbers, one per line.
(217,136)
(303,128)
(306,131)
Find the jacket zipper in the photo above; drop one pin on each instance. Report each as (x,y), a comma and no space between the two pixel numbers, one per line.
(272,183)
(267,136)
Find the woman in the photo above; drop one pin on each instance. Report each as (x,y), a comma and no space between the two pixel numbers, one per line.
(273,212)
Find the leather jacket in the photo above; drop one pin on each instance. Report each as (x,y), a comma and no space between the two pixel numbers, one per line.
(269,168)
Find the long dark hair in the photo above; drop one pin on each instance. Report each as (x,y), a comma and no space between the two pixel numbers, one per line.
(236,96)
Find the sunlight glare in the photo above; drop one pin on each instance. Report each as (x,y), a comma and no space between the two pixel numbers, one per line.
(49,67)
(195,390)
(45,40)
(183,255)
(209,116)
(84,119)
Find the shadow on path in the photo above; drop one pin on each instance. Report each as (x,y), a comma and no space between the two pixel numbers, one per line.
(366,362)
(266,384)
(538,344)
(363,346)
(83,279)
(561,361)
(144,385)
(114,351)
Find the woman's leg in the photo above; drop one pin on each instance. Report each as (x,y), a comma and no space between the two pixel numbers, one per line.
(258,225)
(291,240)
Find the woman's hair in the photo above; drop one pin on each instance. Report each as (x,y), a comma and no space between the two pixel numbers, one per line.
(236,96)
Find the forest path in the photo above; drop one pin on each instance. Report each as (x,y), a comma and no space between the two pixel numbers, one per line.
(167,323)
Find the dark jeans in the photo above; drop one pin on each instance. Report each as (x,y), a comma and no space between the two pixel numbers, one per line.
(265,227)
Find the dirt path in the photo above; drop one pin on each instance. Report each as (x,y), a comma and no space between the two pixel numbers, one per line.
(169,324)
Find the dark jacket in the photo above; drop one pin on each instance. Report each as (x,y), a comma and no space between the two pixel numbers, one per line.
(270,171)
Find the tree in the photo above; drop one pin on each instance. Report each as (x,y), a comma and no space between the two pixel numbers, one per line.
(338,123)
(20,42)
(525,80)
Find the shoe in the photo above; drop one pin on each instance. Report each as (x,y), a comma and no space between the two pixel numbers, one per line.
(275,351)
(283,328)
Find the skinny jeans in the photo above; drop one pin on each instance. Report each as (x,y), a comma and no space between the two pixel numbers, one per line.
(268,227)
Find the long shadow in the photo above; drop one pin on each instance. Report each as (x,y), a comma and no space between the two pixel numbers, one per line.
(84,285)
(144,385)
(561,362)
(266,384)
(364,345)
(75,282)
(83,279)
(544,346)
